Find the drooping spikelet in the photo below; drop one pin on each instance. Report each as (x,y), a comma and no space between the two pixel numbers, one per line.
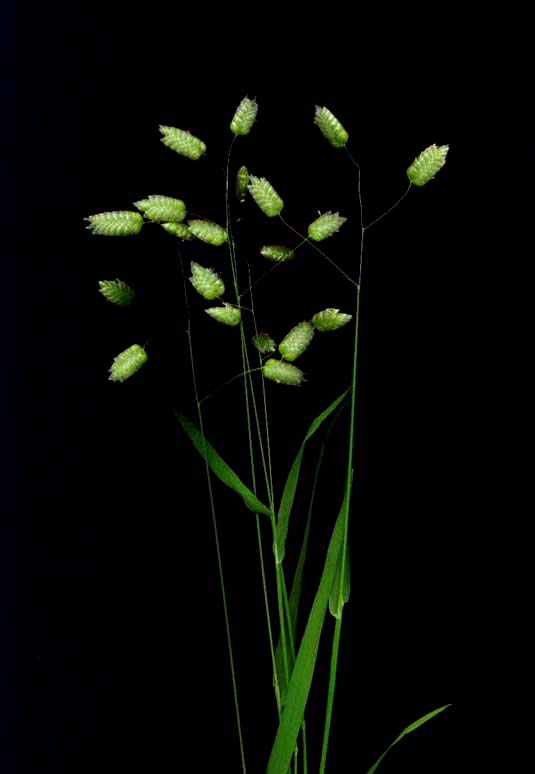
(427,164)
(117,292)
(277,253)
(206,281)
(244,117)
(115,223)
(330,127)
(162,208)
(208,232)
(227,314)
(183,142)
(325,226)
(296,341)
(330,320)
(264,343)
(242,181)
(282,373)
(127,363)
(265,196)
(181,230)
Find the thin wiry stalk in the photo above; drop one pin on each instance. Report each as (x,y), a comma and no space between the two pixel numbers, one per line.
(349,477)
(216,540)
(267,471)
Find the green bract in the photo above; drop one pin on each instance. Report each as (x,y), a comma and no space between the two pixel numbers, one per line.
(265,196)
(182,142)
(325,226)
(330,320)
(127,363)
(427,164)
(283,373)
(115,223)
(162,208)
(330,127)
(296,341)
(206,282)
(208,232)
(277,253)
(117,291)
(244,117)
(229,315)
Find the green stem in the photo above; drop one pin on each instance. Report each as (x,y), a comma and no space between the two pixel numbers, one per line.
(218,552)
(332,684)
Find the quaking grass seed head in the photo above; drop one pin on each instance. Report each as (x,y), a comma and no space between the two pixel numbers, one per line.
(162,208)
(283,373)
(330,320)
(242,181)
(265,196)
(206,281)
(277,253)
(117,292)
(427,164)
(181,230)
(296,341)
(183,142)
(330,127)
(127,363)
(264,343)
(227,314)
(115,223)
(325,226)
(208,232)
(244,117)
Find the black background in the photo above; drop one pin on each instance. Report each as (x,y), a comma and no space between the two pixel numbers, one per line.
(115,611)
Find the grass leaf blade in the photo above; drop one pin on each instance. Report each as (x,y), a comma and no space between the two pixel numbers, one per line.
(220,468)
(288,495)
(411,727)
(303,671)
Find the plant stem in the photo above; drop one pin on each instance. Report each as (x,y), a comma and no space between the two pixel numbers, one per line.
(218,549)
(330,696)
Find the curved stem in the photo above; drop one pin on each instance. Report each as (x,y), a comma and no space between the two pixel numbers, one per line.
(389,210)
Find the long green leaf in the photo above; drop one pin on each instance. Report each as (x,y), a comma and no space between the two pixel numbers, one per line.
(297,584)
(301,678)
(223,471)
(290,487)
(336,602)
(412,727)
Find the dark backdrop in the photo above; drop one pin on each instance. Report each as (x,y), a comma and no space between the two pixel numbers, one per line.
(121,659)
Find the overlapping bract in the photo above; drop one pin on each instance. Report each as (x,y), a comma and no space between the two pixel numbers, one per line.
(265,196)
(117,292)
(330,127)
(115,223)
(183,142)
(206,281)
(162,208)
(244,117)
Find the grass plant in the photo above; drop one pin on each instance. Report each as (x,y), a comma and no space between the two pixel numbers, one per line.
(270,365)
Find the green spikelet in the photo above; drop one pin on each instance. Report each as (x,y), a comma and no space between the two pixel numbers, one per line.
(330,320)
(296,341)
(206,282)
(127,363)
(244,117)
(117,292)
(115,223)
(181,230)
(325,226)
(182,142)
(265,196)
(208,232)
(277,253)
(264,343)
(228,315)
(242,181)
(162,208)
(427,164)
(330,127)
(282,373)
